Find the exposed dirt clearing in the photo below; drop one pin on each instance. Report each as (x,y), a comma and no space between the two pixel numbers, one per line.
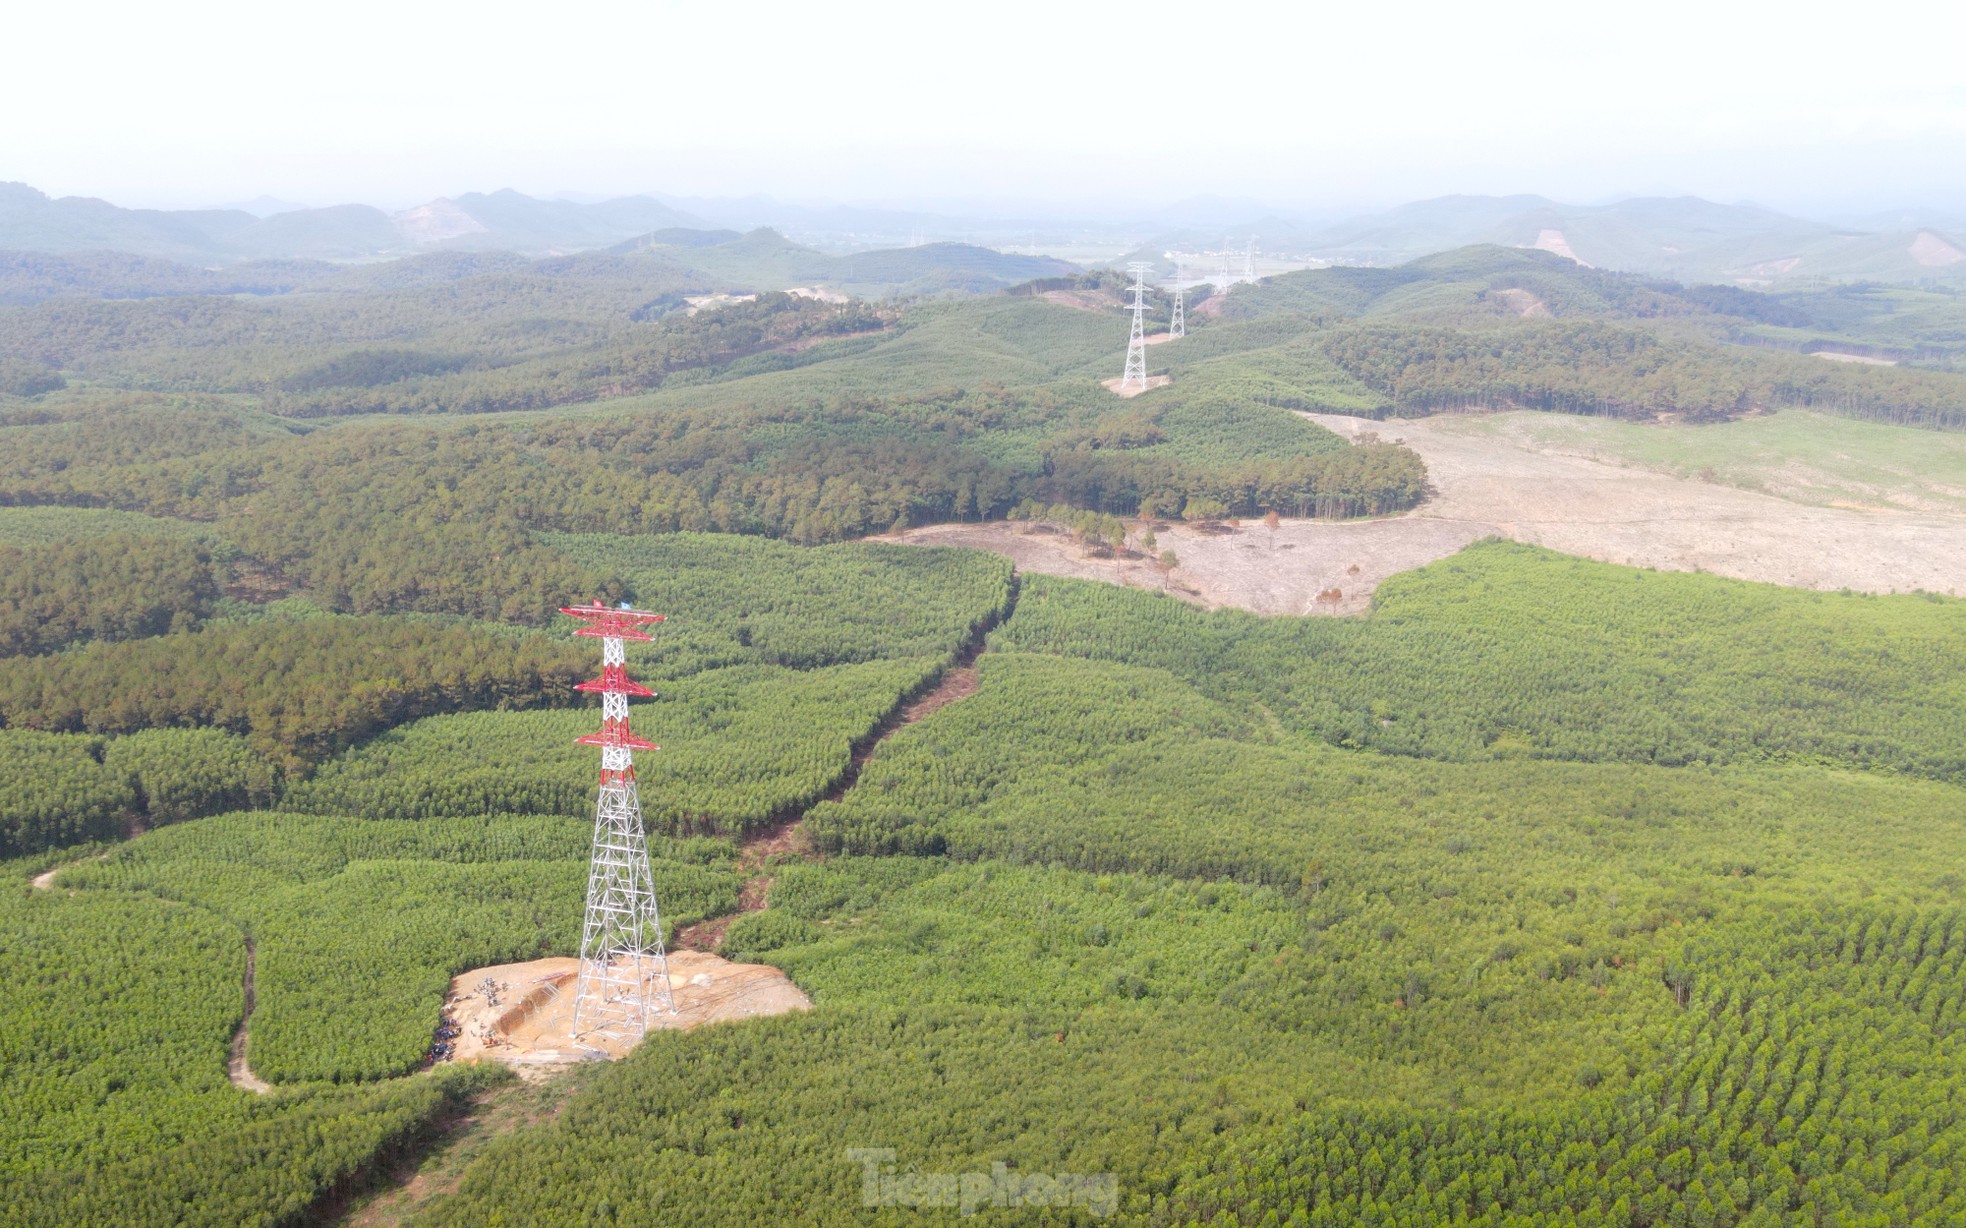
(1793,455)
(1082,300)
(1269,571)
(237,1069)
(1488,484)
(709,302)
(1833,356)
(1554,242)
(1624,515)
(958,683)
(1153,381)
(45,880)
(1934,252)
(530,1025)
(1522,302)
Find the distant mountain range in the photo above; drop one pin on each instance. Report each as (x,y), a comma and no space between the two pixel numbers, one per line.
(482,221)
(1684,237)
(673,260)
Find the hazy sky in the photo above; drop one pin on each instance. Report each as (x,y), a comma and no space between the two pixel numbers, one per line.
(1302,105)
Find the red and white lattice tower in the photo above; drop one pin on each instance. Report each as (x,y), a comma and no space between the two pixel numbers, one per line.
(624,972)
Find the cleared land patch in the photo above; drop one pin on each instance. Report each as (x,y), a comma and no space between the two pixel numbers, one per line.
(1843,505)
(524,1017)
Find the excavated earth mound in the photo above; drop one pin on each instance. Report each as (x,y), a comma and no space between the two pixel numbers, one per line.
(522,1014)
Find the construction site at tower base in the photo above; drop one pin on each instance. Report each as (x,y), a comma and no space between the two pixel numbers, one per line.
(526,1020)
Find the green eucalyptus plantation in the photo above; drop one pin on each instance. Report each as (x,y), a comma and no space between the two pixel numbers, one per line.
(113,1036)
(58,789)
(1125,910)
(746,600)
(361,923)
(741,748)
(1506,651)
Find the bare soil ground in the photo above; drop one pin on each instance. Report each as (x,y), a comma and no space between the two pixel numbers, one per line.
(1625,515)
(1484,486)
(1082,300)
(1931,251)
(45,880)
(527,1022)
(237,1069)
(1249,567)
(1521,302)
(1554,241)
(1153,381)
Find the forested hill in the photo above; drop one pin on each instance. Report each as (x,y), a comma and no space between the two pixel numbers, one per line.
(502,220)
(693,261)
(1548,892)
(1499,328)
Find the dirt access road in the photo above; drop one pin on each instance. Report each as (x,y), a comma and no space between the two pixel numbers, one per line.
(1487,485)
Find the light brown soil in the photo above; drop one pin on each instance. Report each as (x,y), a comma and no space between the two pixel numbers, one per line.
(237,1069)
(958,683)
(529,1028)
(1488,486)
(1522,302)
(1931,251)
(1554,242)
(1603,511)
(45,880)
(705,302)
(1153,381)
(1082,300)
(1249,567)
(1833,356)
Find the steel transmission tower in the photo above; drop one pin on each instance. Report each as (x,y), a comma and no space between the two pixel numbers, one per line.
(1135,375)
(1177,323)
(624,972)
(1249,260)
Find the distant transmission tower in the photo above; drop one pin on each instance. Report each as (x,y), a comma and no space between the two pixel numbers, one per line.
(1249,260)
(1177,324)
(624,972)
(1135,375)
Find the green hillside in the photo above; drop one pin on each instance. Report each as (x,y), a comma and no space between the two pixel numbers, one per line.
(1545,892)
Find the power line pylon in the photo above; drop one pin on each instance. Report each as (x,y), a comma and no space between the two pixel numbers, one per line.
(1249,260)
(624,971)
(1177,323)
(1135,375)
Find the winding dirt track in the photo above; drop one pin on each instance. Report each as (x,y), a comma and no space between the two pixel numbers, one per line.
(1487,486)
(237,1070)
